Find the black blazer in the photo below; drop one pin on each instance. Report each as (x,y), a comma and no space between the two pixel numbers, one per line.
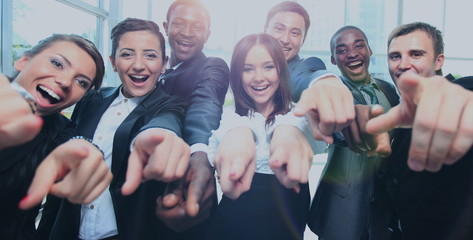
(344,200)
(135,214)
(203,82)
(431,205)
(17,168)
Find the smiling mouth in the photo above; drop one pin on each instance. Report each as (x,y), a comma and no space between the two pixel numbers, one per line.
(184,44)
(48,94)
(355,64)
(138,78)
(286,49)
(260,88)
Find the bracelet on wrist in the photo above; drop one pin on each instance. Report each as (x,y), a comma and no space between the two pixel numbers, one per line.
(88,140)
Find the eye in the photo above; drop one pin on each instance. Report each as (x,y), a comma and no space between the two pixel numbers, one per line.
(359,46)
(269,67)
(248,69)
(84,83)
(394,57)
(295,33)
(126,54)
(278,28)
(151,55)
(198,27)
(417,54)
(341,51)
(57,63)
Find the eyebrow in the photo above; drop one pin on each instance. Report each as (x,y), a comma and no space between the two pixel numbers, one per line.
(70,64)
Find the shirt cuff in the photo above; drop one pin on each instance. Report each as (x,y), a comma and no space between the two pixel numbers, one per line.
(199,147)
(329,74)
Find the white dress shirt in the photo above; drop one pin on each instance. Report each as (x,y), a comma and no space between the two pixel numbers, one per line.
(98,218)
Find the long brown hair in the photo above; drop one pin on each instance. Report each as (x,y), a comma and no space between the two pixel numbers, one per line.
(282,97)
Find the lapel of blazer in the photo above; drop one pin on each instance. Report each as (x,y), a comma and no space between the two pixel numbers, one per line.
(93,109)
(128,130)
(359,99)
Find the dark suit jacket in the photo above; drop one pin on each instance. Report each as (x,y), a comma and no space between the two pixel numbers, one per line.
(135,214)
(302,72)
(203,82)
(17,168)
(431,205)
(344,200)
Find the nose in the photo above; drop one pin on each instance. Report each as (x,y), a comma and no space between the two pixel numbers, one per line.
(187,31)
(352,53)
(259,76)
(284,38)
(138,65)
(64,81)
(404,64)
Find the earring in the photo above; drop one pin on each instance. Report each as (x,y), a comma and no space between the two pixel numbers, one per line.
(114,69)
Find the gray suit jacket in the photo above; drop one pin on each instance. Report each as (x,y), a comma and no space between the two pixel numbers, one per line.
(342,206)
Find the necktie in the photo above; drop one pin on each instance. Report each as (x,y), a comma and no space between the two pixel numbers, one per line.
(369,90)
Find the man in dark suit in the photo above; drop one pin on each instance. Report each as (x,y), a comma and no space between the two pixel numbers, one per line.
(344,201)
(437,203)
(203,82)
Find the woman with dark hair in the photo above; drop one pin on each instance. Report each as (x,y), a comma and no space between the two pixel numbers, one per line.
(255,204)
(53,75)
(137,125)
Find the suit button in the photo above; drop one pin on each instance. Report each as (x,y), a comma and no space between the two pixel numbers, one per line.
(92,206)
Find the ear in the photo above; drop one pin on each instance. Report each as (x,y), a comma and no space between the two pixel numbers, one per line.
(113,64)
(439,61)
(208,36)
(332,60)
(371,51)
(165,26)
(21,63)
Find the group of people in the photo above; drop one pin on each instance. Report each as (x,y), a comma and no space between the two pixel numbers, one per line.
(163,133)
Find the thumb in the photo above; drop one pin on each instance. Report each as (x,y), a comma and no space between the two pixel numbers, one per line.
(54,166)
(303,106)
(239,166)
(385,122)
(277,158)
(173,193)
(409,86)
(134,173)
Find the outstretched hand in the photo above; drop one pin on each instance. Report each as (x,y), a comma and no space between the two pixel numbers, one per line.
(328,105)
(188,201)
(158,154)
(74,170)
(359,140)
(440,114)
(290,156)
(17,122)
(235,162)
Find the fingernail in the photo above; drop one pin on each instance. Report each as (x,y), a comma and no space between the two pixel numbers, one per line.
(23,200)
(416,165)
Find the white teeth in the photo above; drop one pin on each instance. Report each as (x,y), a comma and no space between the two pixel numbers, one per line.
(138,76)
(286,49)
(354,63)
(185,43)
(50,92)
(260,88)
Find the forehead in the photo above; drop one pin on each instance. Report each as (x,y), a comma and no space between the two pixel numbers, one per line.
(417,40)
(258,53)
(289,19)
(189,12)
(349,36)
(143,39)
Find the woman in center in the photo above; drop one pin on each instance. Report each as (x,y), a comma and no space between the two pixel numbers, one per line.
(267,210)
